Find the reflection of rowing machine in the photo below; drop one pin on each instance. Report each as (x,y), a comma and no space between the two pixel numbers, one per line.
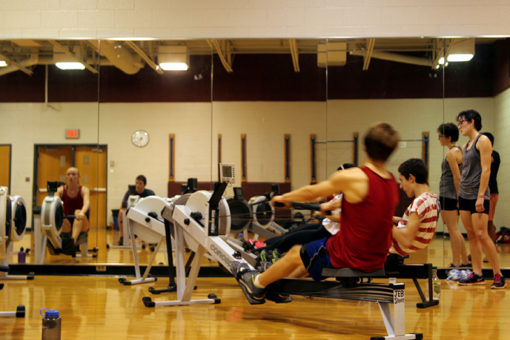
(144,220)
(13,221)
(263,223)
(256,216)
(12,226)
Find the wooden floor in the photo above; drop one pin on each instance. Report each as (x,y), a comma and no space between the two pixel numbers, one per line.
(101,308)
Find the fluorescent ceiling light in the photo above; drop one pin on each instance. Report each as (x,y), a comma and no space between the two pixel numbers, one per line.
(174,66)
(173,58)
(459,57)
(455,58)
(70,66)
(3,63)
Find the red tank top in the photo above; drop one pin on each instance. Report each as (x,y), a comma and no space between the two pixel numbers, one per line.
(72,203)
(365,227)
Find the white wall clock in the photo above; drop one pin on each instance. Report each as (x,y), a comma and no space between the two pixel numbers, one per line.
(140,138)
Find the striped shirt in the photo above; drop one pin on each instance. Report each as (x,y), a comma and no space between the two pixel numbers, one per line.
(426,207)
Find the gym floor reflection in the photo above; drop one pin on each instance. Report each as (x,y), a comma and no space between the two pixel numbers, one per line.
(436,253)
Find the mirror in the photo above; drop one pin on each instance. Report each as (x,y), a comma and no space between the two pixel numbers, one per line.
(49,123)
(391,80)
(284,95)
(482,84)
(156,123)
(268,103)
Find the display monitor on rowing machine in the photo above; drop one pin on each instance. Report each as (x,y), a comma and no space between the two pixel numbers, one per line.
(227,172)
(52,187)
(132,189)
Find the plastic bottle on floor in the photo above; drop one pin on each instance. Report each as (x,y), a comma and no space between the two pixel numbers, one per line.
(436,285)
(51,324)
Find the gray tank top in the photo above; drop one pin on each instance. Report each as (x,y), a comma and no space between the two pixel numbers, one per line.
(471,173)
(446,184)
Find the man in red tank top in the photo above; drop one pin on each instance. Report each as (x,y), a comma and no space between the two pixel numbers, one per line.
(370,196)
(76,200)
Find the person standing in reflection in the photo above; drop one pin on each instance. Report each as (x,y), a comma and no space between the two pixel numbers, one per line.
(140,190)
(474,198)
(451,166)
(493,186)
(76,201)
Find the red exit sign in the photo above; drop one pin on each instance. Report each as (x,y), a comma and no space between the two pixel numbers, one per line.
(72,133)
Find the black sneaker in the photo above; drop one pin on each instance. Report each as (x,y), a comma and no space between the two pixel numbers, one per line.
(472,279)
(121,241)
(499,282)
(245,277)
(273,293)
(68,246)
(264,265)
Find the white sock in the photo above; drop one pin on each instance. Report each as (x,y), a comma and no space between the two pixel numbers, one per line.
(257,283)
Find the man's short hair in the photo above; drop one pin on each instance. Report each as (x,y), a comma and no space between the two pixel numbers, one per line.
(380,141)
(449,130)
(415,167)
(142,178)
(469,116)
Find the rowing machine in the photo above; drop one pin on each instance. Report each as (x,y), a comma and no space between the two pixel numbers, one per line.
(144,220)
(13,218)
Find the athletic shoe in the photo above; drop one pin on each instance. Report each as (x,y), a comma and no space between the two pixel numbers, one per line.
(276,255)
(472,279)
(68,246)
(264,256)
(264,265)
(245,277)
(121,241)
(499,282)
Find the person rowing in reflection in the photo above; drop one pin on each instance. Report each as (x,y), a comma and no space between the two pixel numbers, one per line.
(76,200)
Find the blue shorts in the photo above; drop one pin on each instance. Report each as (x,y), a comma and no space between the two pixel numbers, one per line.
(315,257)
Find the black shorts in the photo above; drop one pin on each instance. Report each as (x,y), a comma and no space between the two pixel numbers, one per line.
(470,205)
(448,203)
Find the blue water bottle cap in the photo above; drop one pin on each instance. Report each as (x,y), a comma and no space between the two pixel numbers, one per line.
(51,313)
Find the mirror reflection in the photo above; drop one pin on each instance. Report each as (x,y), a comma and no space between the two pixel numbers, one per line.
(479,84)
(49,93)
(284,112)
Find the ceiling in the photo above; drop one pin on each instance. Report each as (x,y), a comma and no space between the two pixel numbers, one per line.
(131,56)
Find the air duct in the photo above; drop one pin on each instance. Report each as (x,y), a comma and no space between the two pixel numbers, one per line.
(119,55)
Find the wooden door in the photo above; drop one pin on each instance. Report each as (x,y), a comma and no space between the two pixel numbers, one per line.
(52,163)
(91,161)
(5,165)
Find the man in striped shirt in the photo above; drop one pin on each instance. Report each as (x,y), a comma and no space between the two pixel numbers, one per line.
(417,227)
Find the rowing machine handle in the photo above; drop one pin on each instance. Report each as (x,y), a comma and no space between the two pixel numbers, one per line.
(302,206)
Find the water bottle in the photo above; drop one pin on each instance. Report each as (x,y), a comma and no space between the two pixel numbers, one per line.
(22,255)
(436,285)
(51,324)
